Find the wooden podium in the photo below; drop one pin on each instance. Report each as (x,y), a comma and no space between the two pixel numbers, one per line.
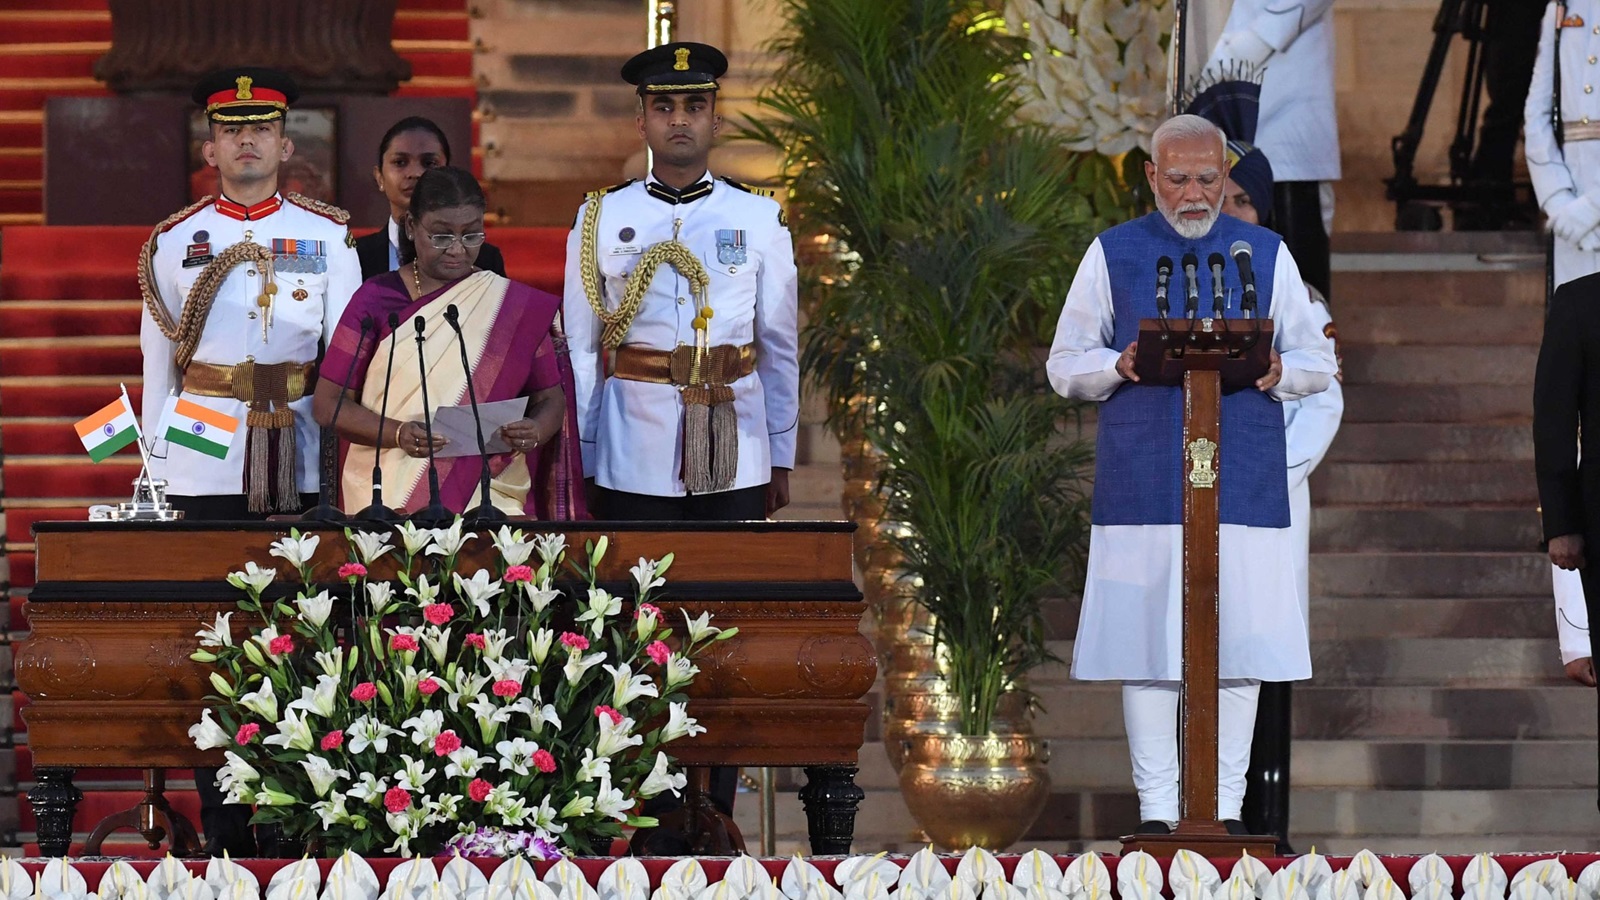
(116,607)
(1204,356)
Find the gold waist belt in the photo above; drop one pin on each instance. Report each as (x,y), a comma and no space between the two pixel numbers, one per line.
(720,365)
(250,381)
(1580,131)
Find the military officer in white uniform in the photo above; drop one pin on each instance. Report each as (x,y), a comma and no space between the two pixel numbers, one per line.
(680,310)
(240,293)
(1566,173)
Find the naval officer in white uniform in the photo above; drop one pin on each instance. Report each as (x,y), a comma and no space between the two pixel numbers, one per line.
(1566,172)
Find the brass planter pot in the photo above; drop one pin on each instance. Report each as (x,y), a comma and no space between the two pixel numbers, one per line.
(975,790)
(922,705)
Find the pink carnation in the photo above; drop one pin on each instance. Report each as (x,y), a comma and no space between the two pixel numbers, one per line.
(247,733)
(479,790)
(280,645)
(574,641)
(403,642)
(477,641)
(333,740)
(659,652)
(616,717)
(543,761)
(519,573)
(397,799)
(446,744)
(507,688)
(429,686)
(438,613)
(352,570)
(646,609)
(364,692)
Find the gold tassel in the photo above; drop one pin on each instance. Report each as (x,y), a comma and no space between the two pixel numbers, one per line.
(724,439)
(697,440)
(288,499)
(256,439)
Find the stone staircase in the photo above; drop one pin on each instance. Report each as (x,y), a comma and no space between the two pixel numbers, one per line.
(1438,719)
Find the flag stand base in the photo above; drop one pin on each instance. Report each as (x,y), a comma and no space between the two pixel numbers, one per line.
(149,504)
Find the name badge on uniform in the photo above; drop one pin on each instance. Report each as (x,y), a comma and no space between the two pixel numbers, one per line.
(1572,21)
(197,254)
(296,255)
(730,247)
(626,250)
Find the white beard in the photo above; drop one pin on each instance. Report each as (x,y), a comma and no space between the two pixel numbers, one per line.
(1193,229)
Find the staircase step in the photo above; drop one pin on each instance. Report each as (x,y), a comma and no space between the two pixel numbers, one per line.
(1489,327)
(1351,483)
(58,268)
(1376,618)
(52,476)
(1426,574)
(31,93)
(1437,661)
(51,60)
(1541,712)
(19,200)
(21,166)
(20,519)
(21,565)
(27,437)
(70,318)
(1461,403)
(1447,365)
(1456,529)
(42,27)
(73,397)
(1421,814)
(1415,765)
(1375,442)
(1521,288)
(104,356)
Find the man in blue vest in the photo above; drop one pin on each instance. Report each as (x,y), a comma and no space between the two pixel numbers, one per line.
(1130,628)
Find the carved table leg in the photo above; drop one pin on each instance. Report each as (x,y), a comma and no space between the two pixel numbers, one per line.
(154,819)
(830,798)
(54,801)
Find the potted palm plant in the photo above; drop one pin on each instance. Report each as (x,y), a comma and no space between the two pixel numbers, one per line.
(952,227)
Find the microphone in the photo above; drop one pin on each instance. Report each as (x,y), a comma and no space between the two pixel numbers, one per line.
(1240,251)
(1191,286)
(1163,276)
(484,512)
(434,515)
(377,512)
(1215,262)
(325,511)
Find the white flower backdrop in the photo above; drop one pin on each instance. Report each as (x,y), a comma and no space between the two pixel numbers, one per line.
(1098,68)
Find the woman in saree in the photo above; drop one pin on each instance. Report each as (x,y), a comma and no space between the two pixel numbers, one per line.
(517,350)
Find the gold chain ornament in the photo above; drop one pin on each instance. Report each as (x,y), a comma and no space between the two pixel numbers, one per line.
(615,324)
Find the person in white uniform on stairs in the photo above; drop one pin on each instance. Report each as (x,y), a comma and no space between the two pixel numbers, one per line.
(1130,626)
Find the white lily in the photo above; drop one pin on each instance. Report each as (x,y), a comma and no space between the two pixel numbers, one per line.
(369,545)
(449,541)
(413,773)
(678,671)
(601,607)
(507,669)
(466,685)
(516,755)
(490,716)
(514,546)
(679,723)
(579,663)
(322,774)
(296,550)
(405,828)
(262,701)
(593,768)
(369,732)
(544,817)
(423,591)
(322,701)
(627,687)
(294,732)
(539,645)
(579,805)
(465,763)
(331,811)
(540,596)
(495,641)
(314,611)
(217,634)
(645,621)
(369,789)
(550,547)
(415,539)
(660,779)
(425,726)
(610,802)
(236,773)
(207,734)
(478,589)
(253,579)
(505,803)
(266,636)
(331,662)
(646,575)
(436,641)
(615,738)
(699,627)
(380,595)
(539,715)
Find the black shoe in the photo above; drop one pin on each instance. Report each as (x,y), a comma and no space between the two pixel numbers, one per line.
(1235,827)
(1154,826)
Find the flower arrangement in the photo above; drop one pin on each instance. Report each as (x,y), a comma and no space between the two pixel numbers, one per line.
(475,709)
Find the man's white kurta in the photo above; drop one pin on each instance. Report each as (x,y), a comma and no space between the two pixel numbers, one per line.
(1131,624)
(1310,425)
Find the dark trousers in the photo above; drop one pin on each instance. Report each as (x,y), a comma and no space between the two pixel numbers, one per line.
(1513,31)
(1297,216)
(226,826)
(1266,782)
(742,505)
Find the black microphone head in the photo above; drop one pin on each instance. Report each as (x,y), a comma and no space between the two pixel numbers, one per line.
(394,321)
(1164,265)
(1190,261)
(421,323)
(1239,247)
(367,323)
(1216,261)
(450,314)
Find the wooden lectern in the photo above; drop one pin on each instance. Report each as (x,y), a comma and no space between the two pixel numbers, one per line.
(1204,356)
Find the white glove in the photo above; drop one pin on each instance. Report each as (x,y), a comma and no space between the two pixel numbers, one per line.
(1573,222)
(1243,46)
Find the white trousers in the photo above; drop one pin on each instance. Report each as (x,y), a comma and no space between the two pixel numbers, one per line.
(1150,713)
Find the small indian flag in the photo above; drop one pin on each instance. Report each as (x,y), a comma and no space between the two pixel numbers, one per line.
(198,427)
(109,430)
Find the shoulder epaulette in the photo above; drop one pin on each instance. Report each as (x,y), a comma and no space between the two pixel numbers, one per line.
(172,221)
(610,190)
(769,193)
(326,210)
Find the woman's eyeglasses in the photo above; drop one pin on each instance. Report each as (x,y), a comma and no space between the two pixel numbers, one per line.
(471,240)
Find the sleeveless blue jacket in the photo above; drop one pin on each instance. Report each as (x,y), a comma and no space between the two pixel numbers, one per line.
(1139,453)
